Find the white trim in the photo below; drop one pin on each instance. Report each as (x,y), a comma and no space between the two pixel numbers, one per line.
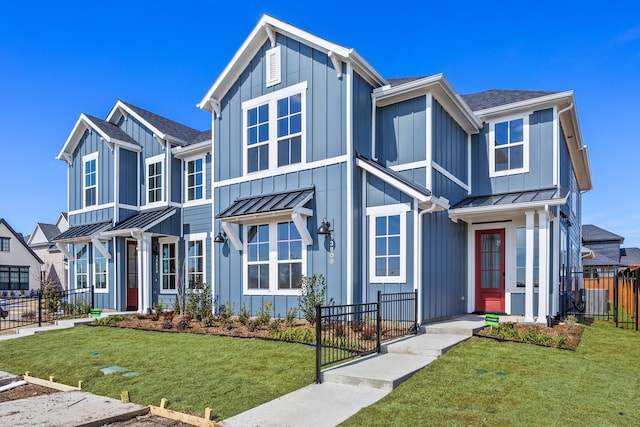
(169,241)
(75,264)
(272,262)
(543,266)
(525,146)
(556,149)
(116,185)
(350,212)
(429,140)
(528,291)
(337,65)
(298,167)
(85,159)
(469,171)
(384,211)
(130,207)
(185,175)
(363,239)
(231,235)
(469,214)
(160,158)
(450,176)
(91,208)
(271,99)
(98,247)
(273,68)
(374,154)
(193,150)
(409,166)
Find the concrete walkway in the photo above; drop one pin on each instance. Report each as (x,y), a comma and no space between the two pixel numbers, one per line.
(352,386)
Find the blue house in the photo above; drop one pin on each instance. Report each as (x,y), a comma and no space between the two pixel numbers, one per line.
(472,200)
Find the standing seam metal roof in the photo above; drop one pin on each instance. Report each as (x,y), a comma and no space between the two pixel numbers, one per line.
(509,198)
(142,220)
(80,231)
(267,203)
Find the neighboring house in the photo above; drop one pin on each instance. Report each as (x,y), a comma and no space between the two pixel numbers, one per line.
(19,264)
(54,267)
(607,252)
(139,203)
(317,164)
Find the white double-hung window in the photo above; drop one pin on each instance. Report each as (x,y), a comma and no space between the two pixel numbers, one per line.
(509,146)
(387,243)
(100,268)
(194,179)
(274,129)
(154,177)
(275,258)
(90,182)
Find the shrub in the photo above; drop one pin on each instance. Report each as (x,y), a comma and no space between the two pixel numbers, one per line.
(274,325)
(167,324)
(294,335)
(313,292)
(199,301)
(29,315)
(110,320)
(209,321)
(227,312)
(183,323)
(292,315)
(264,313)
(369,332)
(52,300)
(158,309)
(244,315)
(339,330)
(571,322)
(168,315)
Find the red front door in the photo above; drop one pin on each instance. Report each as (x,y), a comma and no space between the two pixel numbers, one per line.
(132,275)
(490,271)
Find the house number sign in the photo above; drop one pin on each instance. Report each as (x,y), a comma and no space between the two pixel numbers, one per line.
(332,250)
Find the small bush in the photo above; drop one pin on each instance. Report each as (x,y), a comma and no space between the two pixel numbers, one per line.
(294,335)
(339,330)
(158,309)
(209,321)
(292,315)
(199,301)
(313,292)
(168,315)
(252,325)
(274,325)
(571,322)
(227,312)
(110,320)
(183,323)
(264,313)
(244,315)
(369,332)
(167,324)
(29,315)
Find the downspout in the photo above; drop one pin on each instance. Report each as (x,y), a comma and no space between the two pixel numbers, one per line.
(419,257)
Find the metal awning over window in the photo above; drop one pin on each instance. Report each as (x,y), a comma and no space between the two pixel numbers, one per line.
(140,222)
(79,233)
(292,204)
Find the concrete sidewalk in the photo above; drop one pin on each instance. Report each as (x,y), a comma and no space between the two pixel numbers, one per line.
(352,386)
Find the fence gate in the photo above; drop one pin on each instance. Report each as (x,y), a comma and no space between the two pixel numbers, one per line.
(347,331)
(626,298)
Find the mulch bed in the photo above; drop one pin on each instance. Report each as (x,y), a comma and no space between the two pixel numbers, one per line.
(571,335)
(24,391)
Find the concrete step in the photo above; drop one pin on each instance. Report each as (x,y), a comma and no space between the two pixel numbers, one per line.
(430,345)
(384,371)
(465,325)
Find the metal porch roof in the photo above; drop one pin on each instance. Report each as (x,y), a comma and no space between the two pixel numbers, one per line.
(267,203)
(142,221)
(78,232)
(551,194)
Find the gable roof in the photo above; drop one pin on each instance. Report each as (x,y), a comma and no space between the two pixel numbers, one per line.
(266,29)
(110,133)
(497,97)
(21,239)
(162,127)
(592,233)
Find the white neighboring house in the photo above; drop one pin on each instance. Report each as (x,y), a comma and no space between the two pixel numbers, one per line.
(55,266)
(19,264)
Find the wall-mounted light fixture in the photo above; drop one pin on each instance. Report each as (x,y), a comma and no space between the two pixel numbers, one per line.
(220,238)
(325,228)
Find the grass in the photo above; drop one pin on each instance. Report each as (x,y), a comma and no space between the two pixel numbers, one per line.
(229,375)
(487,383)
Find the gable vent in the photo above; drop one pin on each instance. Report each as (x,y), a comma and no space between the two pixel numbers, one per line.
(273,66)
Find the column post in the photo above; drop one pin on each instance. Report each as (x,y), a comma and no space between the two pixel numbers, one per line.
(543,257)
(528,290)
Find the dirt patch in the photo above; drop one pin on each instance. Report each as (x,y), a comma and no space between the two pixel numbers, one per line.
(149,421)
(24,391)
(560,336)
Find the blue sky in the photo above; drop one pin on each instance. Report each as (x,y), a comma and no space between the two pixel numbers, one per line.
(58,59)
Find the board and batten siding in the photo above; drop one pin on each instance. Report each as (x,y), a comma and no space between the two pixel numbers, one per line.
(128,180)
(401,132)
(197,219)
(325,105)
(89,143)
(91,217)
(361,111)
(450,148)
(329,202)
(540,173)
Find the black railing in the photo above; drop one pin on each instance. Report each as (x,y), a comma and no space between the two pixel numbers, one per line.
(626,298)
(42,307)
(347,331)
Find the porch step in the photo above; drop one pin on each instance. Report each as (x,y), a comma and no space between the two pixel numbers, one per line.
(430,345)
(383,371)
(465,325)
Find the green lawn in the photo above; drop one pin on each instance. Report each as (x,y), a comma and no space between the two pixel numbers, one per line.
(229,375)
(488,383)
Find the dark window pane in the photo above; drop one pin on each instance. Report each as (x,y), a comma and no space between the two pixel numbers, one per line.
(394,266)
(283,152)
(381,246)
(296,103)
(263,113)
(516,130)
(283,127)
(264,157)
(264,132)
(381,226)
(252,136)
(296,274)
(284,278)
(252,159)
(517,158)
(381,266)
(295,124)
(296,148)
(394,224)
(501,131)
(502,159)
(252,117)
(283,107)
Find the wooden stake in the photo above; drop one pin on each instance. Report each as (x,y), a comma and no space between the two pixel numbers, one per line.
(207,414)
(52,379)
(80,384)
(163,403)
(124,396)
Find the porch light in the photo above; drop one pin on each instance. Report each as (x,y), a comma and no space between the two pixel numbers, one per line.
(220,238)
(325,228)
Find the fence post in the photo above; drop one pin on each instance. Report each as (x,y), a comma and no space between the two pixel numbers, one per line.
(379,322)
(93,303)
(415,312)
(318,344)
(635,295)
(615,297)
(40,308)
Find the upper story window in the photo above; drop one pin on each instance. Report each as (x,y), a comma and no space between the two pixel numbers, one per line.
(154,167)
(4,244)
(90,173)
(194,179)
(509,146)
(274,129)
(387,243)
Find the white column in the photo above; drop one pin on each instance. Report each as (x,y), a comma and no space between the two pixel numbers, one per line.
(528,290)
(543,257)
(144,289)
(140,257)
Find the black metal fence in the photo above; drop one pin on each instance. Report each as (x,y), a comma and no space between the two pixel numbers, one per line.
(609,294)
(347,331)
(41,307)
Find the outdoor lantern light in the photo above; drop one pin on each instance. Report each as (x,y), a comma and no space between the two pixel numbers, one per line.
(325,228)
(220,238)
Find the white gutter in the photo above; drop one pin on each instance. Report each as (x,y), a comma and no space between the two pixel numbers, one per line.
(418,279)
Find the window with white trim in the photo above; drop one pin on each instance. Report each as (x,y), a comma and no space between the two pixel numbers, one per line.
(154,166)
(195,262)
(82,265)
(100,268)
(521,257)
(509,146)
(274,129)
(387,243)
(194,179)
(90,183)
(275,258)
(4,244)
(168,271)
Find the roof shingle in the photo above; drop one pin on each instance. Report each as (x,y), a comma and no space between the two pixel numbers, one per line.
(496,97)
